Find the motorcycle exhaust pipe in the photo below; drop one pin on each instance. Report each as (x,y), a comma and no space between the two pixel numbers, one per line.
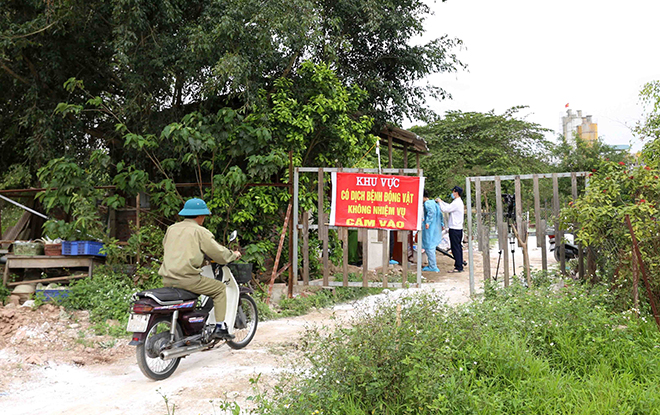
(181,351)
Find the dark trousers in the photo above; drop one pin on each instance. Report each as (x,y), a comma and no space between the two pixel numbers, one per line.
(455,239)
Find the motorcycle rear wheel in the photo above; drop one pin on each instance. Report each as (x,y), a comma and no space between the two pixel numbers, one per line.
(245,333)
(157,368)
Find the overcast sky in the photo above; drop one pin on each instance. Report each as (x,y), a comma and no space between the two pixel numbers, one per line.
(593,55)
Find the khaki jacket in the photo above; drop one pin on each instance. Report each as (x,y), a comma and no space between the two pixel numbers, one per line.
(185,245)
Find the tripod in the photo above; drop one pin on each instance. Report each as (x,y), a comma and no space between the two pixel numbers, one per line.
(512,243)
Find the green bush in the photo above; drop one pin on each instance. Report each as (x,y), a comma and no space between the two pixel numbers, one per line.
(540,351)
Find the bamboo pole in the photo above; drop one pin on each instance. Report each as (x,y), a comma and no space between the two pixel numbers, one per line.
(279,253)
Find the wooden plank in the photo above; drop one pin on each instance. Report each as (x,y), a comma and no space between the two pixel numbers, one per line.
(486,251)
(323,230)
(519,218)
(365,257)
(19,261)
(137,226)
(54,279)
(404,254)
(344,243)
(540,224)
(555,213)
(502,230)
(389,151)
(384,236)
(306,248)
(13,232)
(477,200)
(279,252)
(537,208)
(501,236)
(574,193)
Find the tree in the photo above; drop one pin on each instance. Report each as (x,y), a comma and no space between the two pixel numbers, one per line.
(466,144)
(585,155)
(153,62)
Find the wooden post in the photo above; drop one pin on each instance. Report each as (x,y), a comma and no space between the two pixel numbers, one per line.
(389,151)
(365,257)
(279,253)
(344,242)
(323,230)
(417,157)
(385,237)
(291,280)
(137,226)
(477,197)
(519,218)
(640,264)
(502,229)
(405,156)
(580,253)
(486,251)
(635,273)
(523,242)
(540,225)
(555,212)
(404,249)
(404,256)
(306,248)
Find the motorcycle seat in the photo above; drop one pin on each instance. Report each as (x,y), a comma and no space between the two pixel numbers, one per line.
(168,295)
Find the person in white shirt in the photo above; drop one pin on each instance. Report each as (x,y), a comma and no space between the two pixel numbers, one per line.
(456,210)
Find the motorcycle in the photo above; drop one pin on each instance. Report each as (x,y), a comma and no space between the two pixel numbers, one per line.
(169,324)
(571,251)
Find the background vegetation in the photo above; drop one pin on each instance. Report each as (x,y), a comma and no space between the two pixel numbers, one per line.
(549,350)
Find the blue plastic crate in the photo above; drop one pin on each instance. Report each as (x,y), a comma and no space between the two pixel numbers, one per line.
(82,248)
(50,295)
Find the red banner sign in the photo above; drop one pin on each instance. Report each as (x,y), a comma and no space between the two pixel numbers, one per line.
(376,201)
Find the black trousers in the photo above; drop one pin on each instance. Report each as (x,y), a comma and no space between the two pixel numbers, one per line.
(455,239)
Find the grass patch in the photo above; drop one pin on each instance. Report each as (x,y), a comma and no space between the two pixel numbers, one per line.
(519,351)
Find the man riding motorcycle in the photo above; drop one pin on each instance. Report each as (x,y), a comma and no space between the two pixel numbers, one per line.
(185,245)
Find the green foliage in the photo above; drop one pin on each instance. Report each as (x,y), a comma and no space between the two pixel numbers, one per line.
(477,144)
(10,216)
(4,293)
(17,176)
(585,155)
(145,64)
(541,351)
(147,241)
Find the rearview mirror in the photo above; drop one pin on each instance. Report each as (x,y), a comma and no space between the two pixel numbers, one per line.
(233,235)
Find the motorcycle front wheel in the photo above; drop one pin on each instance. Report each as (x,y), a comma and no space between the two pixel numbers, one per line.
(149,361)
(246,322)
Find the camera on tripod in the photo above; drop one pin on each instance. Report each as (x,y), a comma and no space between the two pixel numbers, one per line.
(510,209)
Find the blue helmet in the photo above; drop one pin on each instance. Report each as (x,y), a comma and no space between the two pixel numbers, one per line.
(195,207)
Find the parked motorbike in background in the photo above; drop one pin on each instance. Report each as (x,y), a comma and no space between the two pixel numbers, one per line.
(571,251)
(171,323)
